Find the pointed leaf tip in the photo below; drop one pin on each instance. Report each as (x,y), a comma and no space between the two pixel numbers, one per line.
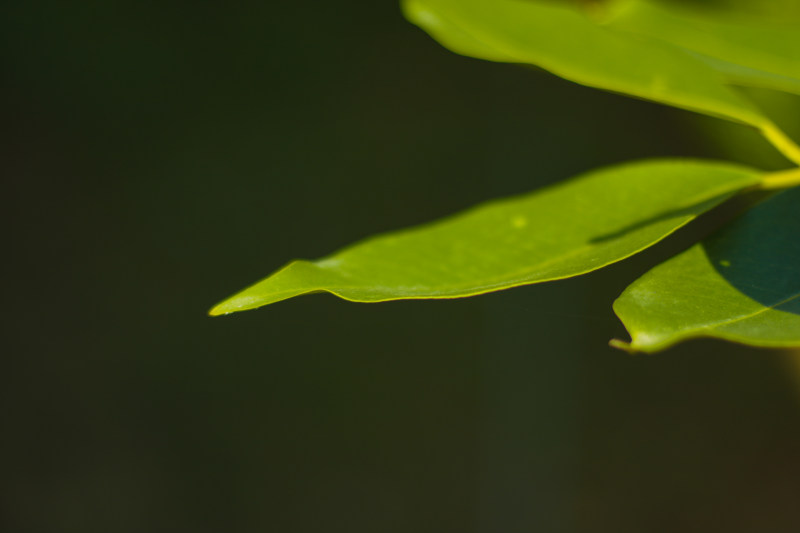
(572,228)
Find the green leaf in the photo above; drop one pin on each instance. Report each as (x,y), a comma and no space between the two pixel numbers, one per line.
(453,37)
(565,230)
(742,285)
(747,50)
(560,39)
(640,51)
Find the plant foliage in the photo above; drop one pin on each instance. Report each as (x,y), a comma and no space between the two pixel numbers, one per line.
(742,284)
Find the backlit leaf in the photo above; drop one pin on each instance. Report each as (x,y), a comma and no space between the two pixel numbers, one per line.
(748,50)
(560,39)
(565,230)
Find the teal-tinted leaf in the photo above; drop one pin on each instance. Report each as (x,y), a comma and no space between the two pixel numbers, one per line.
(742,285)
(747,50)
(561,231)
(564,41)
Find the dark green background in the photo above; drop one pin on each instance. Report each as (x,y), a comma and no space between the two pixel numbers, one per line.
(159,156)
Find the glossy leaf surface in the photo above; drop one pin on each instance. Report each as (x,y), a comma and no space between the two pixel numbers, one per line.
(743,285)
(558,38)
(565,230)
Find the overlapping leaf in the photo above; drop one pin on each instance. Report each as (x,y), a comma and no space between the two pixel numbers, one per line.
(565,230)
(748,51)
(565,42)
(742,285)
(675,58)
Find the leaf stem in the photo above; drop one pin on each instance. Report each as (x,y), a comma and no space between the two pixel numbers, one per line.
(781,141)
(781,180)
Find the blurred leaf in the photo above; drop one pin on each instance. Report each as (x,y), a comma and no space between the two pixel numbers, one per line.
(558,232)
(780,11)
(748,50)
(454,37)
(743,285)
(745,145)
(564,41)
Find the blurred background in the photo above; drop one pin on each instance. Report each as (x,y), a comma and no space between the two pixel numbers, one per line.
(159,156)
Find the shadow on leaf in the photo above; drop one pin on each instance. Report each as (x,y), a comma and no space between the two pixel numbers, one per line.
(759,253)
(691,211)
